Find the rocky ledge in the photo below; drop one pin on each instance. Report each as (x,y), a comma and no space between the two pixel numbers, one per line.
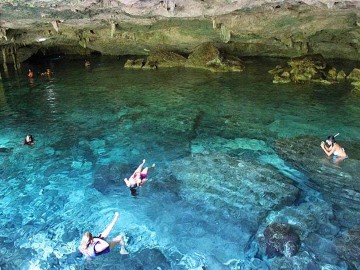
(141,27)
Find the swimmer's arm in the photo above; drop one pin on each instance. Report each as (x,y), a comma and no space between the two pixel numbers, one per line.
(84,251)
(327,152)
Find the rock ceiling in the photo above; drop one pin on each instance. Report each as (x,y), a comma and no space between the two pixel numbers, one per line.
(137,27)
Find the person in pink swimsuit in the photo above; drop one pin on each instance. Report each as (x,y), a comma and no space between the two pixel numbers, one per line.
(138,178)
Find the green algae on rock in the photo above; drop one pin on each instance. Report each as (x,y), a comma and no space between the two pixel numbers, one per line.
(307,68)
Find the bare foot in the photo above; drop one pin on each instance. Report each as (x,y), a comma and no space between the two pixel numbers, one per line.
(123,251)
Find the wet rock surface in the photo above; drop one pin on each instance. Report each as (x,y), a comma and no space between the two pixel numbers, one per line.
(348,244)
(242,28)
(205,56)
(342,188)
(239,187)
(308,68)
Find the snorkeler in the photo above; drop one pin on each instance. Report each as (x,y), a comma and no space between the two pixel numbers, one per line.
(29,140)
(138,178)
(91,246)
(330,147)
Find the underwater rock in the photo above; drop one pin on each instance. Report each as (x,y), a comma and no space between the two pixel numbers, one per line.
(338,186)
(281,240)
(303,260)
(4,150)
(242,188)
(311,68)
(254,264)
(348,246)
(153,259)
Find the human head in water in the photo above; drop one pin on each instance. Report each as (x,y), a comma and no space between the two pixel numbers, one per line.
(330,140)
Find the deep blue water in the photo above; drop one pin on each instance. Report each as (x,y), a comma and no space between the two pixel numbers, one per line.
(213,139)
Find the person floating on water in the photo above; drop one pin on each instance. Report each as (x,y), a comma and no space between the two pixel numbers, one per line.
(138,178)
(29,140)
(331,147)
(87,63)
(91,246)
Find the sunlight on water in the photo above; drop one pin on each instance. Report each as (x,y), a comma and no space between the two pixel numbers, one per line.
(233,154)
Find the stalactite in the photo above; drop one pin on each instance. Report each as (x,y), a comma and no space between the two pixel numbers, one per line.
(55,24)
(13,57)
(113,29)
(18,64)
(169,5)
(3,33)
(4,59)
(213,19)
(225,33)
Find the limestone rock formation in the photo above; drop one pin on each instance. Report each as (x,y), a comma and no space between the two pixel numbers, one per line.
(340,188)
(205,56)
(138,27)
(311,68)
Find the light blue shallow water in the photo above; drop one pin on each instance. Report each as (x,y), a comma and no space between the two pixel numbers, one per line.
(212,137)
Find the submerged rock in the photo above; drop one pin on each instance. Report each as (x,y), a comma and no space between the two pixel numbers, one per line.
(340,186)
(281,240)
(348,245)
(241,188)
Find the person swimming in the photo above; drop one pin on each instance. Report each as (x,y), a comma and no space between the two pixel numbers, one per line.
(138,178)
(92,247)
(29,140)
(331,147)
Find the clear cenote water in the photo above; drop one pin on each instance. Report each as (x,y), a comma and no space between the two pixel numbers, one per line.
(213,137)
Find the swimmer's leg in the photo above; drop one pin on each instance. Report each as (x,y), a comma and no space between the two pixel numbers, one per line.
(119,240)
(109,227)
(138,170)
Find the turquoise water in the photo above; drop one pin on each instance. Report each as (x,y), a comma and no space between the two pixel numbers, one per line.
(233,153)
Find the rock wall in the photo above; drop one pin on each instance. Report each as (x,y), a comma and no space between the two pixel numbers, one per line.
(130,27)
